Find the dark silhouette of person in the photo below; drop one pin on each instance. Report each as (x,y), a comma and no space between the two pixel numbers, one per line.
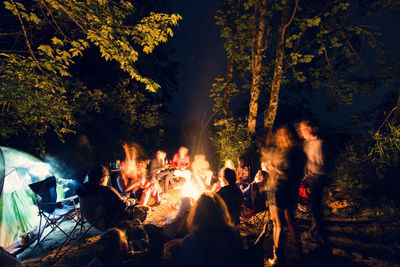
(213,239)
(232,195)
(117,207)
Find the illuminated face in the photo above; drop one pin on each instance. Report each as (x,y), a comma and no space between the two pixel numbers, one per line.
(305,130)
(229,164)
(183,151)
(161,155)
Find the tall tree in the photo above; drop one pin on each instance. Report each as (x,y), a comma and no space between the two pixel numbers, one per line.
(314,43)
(257,51)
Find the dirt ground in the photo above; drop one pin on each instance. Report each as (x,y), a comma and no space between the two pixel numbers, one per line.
(369,241)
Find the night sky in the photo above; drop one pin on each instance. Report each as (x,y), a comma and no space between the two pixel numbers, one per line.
(202,57)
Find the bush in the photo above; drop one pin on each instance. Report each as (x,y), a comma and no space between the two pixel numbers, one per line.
(230,139)
(368,167)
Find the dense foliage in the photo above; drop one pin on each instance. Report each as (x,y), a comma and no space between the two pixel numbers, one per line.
(230,140)
(76,66)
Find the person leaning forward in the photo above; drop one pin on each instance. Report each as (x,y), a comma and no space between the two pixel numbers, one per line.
(117,208)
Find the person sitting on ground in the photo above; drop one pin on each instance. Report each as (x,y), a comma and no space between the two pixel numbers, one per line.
(146,240)
(220,183)
(232,195)
(113,250)
(242,173)
(149,187)
(117,207)
(181,163)
(213,239)
(127,181)
(142,186)
(255,190)
(159,170)
(201,172)
(176,226)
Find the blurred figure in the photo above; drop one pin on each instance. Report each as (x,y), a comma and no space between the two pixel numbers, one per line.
(176,226)
(220,183)
(255,190)
(232,195)
(285,163)
(159,170)
(129,173)
(213,240)
(146,185)
(137,237)
(201,172)
(243,173)
(181,163)
(117,207)
(113,249)
(315,178)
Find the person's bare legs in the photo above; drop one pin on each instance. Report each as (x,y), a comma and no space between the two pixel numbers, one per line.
(292,227)
(156,193)
(145,197)
(276,233)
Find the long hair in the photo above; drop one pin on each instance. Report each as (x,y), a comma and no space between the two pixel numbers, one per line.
(278,143)
(113,246)
(209,213)
(241,162)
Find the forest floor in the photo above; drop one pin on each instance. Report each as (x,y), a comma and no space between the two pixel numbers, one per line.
(356,240)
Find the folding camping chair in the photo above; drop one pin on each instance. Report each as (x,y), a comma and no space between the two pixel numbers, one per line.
(93,212)
(52,212)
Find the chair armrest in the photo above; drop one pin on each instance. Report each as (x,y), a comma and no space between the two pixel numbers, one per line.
(68,199)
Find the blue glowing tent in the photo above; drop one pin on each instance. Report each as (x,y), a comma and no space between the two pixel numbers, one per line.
(18,214)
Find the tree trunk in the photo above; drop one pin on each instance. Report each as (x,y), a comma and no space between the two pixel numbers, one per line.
(270,112)
(228,87)
(256,61)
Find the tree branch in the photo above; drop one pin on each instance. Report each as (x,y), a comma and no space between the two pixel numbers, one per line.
(26,36)
(386,119)
(57,27)
(290,20)
(71,17)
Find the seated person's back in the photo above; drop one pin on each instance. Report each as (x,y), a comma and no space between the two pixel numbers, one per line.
(116,207)
(213,239)
(232,195)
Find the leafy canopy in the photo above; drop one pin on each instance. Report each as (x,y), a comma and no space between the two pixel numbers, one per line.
(38,92)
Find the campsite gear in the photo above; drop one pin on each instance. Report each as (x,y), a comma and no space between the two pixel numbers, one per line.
(93,212)
(52,212)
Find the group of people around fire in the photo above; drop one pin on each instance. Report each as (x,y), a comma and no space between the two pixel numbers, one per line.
(205,232)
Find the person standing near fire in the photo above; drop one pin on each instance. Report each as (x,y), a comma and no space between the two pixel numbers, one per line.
(315,178)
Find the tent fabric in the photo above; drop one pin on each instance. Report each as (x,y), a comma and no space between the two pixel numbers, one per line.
(18,214)
(2,171)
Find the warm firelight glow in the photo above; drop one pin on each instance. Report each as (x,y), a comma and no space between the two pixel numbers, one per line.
(190,190)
